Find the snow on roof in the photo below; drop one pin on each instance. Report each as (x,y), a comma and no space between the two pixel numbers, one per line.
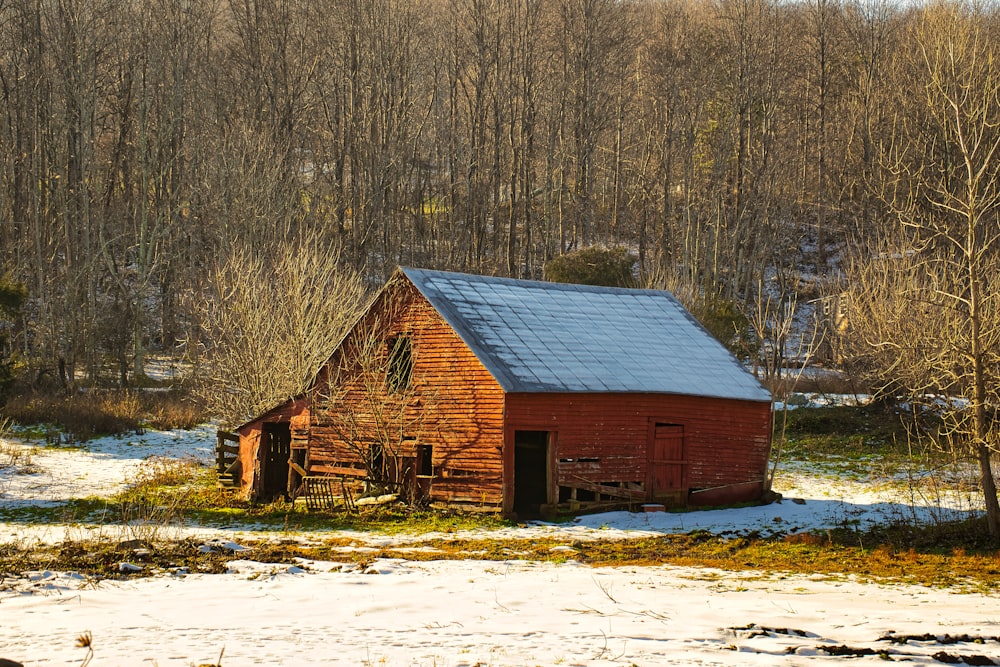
(553,337)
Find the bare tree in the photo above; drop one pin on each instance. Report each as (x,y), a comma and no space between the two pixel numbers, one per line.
(268,321)
(374,406)
(930,313)
(821,83)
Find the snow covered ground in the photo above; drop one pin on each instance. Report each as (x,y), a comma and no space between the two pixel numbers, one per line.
(97,467)
(467,613)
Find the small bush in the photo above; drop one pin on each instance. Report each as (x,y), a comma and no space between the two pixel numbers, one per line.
(121,405)
(12,455)
(726,323)
(610,267)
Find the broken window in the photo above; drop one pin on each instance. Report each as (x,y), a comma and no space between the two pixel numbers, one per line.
(425,461)
(376,461)
(400,367)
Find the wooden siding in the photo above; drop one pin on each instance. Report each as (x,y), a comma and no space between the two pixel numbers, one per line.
(452,404)
(600,446)
(605,439)
(294,412)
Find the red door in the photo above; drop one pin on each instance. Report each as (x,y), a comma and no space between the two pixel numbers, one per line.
(667,460)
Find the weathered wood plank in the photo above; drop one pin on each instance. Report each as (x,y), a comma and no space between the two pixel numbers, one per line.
(613,491)
(338,470)
(456,406)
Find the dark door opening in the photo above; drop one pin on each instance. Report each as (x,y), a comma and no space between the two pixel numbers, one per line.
(275,449)
(298,458)
(531,472)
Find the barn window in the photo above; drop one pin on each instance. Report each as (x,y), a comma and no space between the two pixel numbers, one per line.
(425,461)
(400,367)
(376,461)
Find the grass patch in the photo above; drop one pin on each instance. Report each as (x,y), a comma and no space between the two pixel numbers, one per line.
(851,439)
(753,558)
(396,519)
(944,537)
(96,413)
(957,567)
(192,492)
(168,492)
(846,430)
(70,513)
(13,455)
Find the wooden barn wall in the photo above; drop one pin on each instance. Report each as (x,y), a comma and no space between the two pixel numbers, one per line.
(453,403)
(295,413)
(727,441)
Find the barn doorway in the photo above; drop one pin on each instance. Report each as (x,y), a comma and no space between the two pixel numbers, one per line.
(275,450)
(667,464)
(531,472)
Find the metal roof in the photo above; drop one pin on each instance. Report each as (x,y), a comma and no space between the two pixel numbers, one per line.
(552,337)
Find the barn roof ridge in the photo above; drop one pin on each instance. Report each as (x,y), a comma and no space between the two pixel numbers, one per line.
(536,336)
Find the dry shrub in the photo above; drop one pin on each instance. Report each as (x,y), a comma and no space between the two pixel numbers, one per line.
(12,455)
(123,405)
(158,471)
(165,410)
(97,413)
(157,497)
(268,321)
(811,539)
(612,267)
(82,416)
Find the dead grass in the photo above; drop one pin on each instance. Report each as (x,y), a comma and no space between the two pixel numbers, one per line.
(162,471)
(162,495)
(957,568)
(15,456)
(167,410)
(96,413)
(11,455)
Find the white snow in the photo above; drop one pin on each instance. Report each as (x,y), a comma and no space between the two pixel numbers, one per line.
(99,467)
(466,613)
(395,612)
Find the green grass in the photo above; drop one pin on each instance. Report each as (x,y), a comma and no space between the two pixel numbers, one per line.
(75,512)
(840,434)
(387,520)
(845,429)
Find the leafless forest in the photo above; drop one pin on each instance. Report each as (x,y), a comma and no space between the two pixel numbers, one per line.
(730,144)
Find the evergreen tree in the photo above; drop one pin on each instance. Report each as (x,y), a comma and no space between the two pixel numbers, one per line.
(12,297)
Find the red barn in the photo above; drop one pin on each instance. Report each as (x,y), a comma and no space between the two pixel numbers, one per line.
(521,396)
